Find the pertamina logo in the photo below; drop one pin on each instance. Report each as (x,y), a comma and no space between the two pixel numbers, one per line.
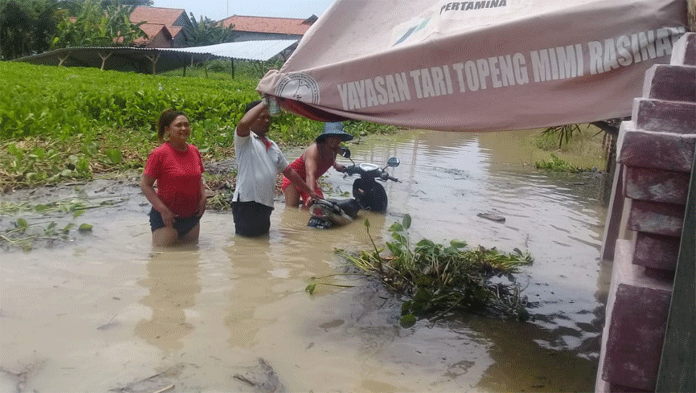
(299,86)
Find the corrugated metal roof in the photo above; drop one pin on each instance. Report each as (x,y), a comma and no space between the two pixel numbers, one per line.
(140,59)
(247,50)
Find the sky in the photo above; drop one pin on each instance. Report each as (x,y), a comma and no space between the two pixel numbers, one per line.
(221,9)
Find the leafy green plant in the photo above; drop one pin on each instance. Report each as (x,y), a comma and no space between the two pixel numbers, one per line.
(206,31)
(114,156)
(447,279)
(64,102)
(96,23)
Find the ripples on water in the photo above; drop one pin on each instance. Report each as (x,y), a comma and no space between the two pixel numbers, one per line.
(112,310)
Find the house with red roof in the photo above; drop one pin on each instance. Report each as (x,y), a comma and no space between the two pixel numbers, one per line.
(164,26)
(258,28)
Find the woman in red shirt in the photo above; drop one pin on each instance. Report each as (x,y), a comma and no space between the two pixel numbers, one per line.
(315,161)
(176,166)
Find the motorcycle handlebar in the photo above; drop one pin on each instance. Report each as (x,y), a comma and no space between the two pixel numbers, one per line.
(386,177)
(355,169)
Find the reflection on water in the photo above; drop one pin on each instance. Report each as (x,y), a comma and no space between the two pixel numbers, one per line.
(173,283)
(109,310)
(447,179)
(250,271)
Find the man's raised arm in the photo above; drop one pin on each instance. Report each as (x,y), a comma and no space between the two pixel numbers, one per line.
(244,125)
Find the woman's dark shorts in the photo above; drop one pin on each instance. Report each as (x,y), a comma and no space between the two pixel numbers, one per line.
(251,219)
(182,225)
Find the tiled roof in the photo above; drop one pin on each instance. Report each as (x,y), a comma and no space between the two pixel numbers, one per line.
(152,29)
(269,25)
(174,30)
(164,16)
(156,19)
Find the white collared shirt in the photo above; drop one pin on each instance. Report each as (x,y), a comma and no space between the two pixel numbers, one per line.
(257,169)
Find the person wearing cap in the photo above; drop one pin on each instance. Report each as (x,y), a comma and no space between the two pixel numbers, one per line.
(259,160)
(314,162)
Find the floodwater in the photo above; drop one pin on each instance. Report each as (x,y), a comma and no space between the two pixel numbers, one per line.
(108,312)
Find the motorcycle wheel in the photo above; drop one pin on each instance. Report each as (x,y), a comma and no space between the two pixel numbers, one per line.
(370,195)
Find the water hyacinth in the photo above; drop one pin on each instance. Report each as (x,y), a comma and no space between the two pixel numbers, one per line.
(443,280)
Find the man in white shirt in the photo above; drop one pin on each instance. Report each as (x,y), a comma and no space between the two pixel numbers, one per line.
(259,160)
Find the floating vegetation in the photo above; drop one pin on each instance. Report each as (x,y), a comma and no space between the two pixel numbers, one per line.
(69,205)
(24,234)
(556,163)
(445,280)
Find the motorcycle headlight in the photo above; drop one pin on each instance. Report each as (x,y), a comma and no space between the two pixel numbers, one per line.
(316,211)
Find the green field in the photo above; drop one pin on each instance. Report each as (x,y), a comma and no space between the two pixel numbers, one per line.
(60,123)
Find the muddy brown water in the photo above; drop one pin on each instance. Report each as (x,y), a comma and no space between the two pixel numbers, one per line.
(108,312)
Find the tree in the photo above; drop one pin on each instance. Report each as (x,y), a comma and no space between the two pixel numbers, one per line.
(207,32)
(45,27)
(15,31)
(26,27)
(96,24)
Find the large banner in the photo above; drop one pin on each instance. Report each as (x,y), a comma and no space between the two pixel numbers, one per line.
(477,65)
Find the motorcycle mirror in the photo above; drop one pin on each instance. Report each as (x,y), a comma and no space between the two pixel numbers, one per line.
(393,162)
(345,152)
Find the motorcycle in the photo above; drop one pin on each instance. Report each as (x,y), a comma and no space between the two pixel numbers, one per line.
(367,195)
(326,213)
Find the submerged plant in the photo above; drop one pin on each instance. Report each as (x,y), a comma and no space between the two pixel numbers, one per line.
(448,279)
(310,288)
(25,234)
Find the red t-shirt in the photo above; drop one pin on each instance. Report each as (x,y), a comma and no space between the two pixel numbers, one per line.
(178,175)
